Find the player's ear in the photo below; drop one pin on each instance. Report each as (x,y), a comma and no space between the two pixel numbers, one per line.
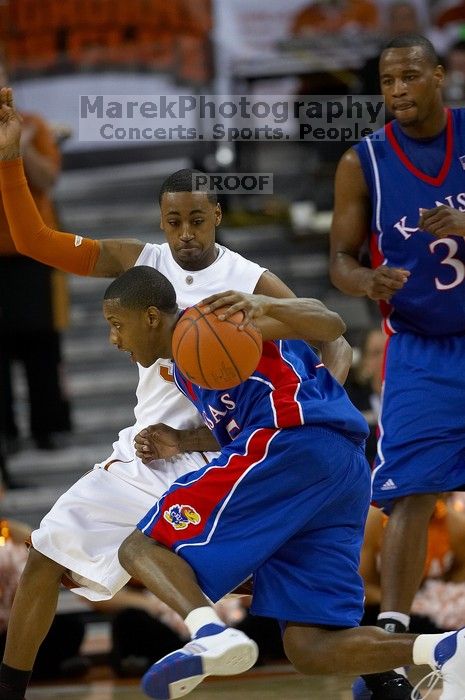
(439,75)
(218,214)
(153,316)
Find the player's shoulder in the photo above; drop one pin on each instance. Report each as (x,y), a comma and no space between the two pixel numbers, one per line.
(228,256)
(153,254)
(374,140)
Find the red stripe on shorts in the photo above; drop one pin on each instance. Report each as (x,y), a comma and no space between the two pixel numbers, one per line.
(204,495)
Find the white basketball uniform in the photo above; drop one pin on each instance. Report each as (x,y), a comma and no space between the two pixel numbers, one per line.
(85,527)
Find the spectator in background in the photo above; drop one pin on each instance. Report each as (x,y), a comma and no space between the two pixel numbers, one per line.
(399,18)
(452,18)
(335,16)
(364,386)
(454,88)
(330,19)
(33,304)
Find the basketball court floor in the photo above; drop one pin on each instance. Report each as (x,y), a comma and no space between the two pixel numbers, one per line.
(265,683)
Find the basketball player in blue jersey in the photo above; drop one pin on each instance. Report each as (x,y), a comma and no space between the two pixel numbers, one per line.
(403,191)
(286,499)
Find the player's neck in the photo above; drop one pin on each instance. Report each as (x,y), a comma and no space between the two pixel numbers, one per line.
(205,261)
(429,127)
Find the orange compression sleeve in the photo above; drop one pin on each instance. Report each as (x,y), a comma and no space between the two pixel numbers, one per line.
(65,251)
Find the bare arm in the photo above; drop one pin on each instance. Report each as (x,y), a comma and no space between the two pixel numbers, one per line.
(116,256)
(160,441)
(349,230)
(337,357)
(304,319)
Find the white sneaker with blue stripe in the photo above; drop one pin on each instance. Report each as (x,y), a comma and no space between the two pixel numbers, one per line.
(215,651)
(449,662)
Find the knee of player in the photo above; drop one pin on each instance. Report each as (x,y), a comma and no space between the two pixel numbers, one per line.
(301,652)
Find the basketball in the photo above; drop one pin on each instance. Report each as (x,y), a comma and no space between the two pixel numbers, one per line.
(215,354)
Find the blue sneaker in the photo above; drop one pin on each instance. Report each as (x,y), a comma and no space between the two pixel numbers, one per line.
(215,650)
(360,690)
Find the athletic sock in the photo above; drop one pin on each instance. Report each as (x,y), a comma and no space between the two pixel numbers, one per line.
(13,682)
(393,621)
(200,617)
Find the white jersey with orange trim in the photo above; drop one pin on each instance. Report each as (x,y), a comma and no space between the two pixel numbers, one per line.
(88,523)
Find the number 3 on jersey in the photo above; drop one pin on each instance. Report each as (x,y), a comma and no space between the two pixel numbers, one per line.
(459,267)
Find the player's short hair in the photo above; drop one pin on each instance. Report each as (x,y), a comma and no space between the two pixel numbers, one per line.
(182,181)
(406,41)
(141,287)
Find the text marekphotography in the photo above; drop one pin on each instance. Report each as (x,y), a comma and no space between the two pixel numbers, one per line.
(229,118)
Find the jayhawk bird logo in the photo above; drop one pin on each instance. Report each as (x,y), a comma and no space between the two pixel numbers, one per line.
(181,516)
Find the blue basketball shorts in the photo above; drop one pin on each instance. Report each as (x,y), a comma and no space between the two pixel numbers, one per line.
(421,446)
(288,506)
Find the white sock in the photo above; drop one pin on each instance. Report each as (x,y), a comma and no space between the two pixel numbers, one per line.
(200,617)
(393,615)
(423,648)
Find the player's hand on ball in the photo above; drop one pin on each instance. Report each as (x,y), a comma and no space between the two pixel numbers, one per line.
(442,221)
(230,302)
(158,441)
(385,282)
(10,124)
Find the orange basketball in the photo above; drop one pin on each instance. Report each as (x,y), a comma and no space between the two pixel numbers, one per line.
(215,354)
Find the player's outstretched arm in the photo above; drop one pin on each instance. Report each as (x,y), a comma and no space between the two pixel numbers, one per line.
(161,441)
(305,319)
(65,251)
(349,231)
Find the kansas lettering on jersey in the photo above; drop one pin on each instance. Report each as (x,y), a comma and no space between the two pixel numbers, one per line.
(432,302)
(290,387)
